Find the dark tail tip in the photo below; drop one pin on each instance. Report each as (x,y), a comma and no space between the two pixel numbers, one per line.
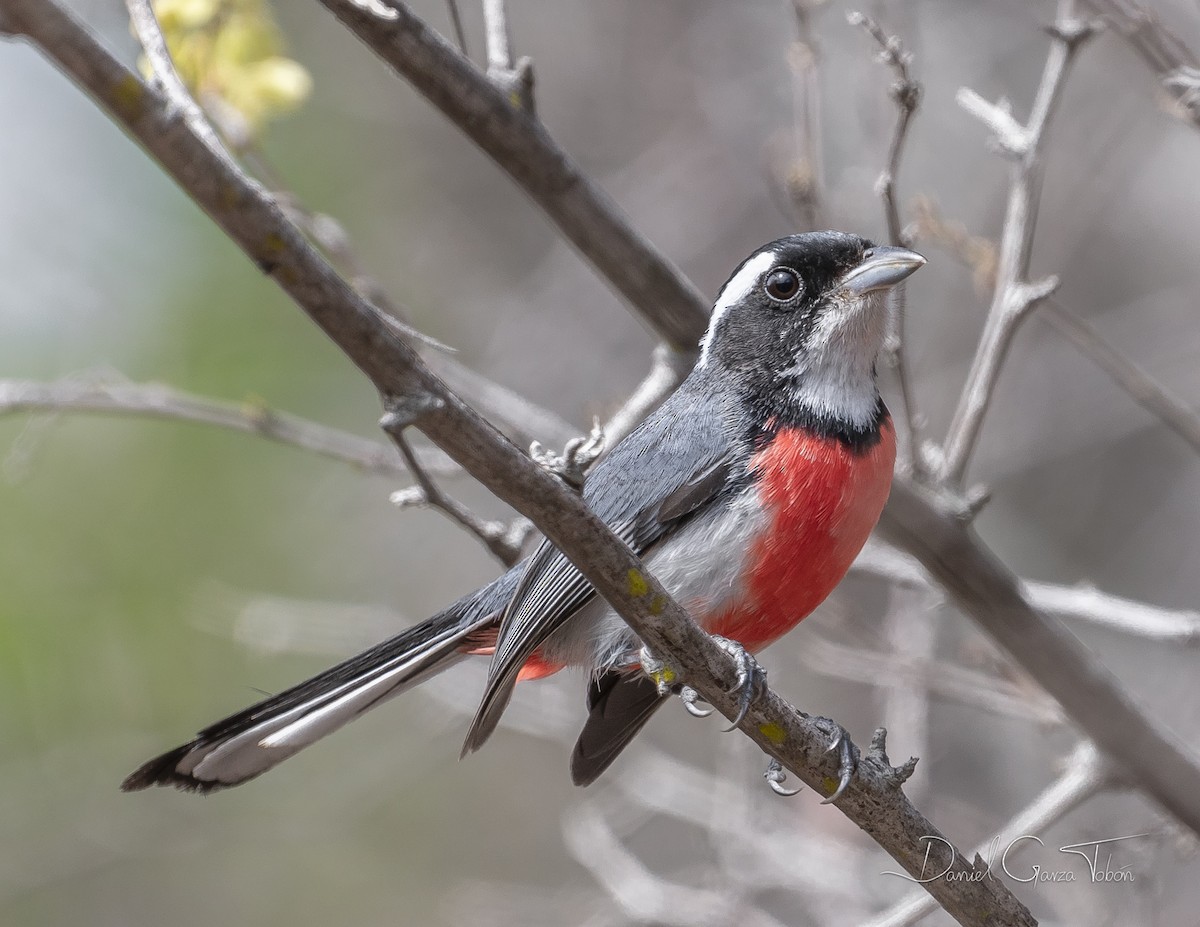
(162,770)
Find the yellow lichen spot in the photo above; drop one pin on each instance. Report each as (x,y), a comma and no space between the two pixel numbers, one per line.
(773,732)
(638,586)
(657,605)
(128,96)
(829,785)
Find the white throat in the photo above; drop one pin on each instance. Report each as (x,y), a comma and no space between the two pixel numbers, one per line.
(836,376)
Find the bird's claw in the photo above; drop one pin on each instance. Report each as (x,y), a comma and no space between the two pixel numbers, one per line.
(846,761)
(751,678)
(776,776)
(690,697)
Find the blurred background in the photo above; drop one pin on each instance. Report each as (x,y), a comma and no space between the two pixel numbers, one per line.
(155,576)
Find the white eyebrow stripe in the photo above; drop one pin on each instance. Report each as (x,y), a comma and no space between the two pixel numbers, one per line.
(737,289)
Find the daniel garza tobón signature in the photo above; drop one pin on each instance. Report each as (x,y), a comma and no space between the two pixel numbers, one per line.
(1099,868)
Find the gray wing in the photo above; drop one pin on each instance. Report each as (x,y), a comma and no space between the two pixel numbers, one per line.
(682,457)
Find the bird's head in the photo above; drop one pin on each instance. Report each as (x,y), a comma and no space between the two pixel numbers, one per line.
(800,324)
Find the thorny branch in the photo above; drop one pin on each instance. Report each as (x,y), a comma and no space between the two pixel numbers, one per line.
(413,396)
(1015,295)
(906,91)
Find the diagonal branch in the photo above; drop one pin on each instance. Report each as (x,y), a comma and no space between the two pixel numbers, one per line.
(413,395)
(1015,295)
(520,145)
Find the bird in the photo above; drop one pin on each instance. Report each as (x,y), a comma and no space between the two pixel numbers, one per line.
(748,493)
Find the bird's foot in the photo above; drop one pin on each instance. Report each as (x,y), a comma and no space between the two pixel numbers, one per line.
(690,697)
(571,466)
(776,776)
(847,762)
(751,678)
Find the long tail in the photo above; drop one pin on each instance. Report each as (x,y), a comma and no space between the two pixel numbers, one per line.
(248,743)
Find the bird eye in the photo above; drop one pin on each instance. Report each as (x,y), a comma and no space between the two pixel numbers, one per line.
(782,284)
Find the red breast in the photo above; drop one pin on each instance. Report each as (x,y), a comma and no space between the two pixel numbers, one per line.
(822,499)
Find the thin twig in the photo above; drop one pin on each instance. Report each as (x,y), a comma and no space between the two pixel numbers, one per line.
(504,541)
(1144,389)
(1087,775)
(906,92)
(460,34)
(1015,294)
(153,400)
(412,395)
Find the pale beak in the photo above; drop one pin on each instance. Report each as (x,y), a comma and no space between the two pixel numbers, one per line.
(881,267)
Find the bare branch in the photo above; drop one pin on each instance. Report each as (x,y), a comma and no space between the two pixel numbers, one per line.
(520,145)
(413,395)
(1014,294)
(153,400)
(1144,389)
(906,91)
(935,533)
(1087,774)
